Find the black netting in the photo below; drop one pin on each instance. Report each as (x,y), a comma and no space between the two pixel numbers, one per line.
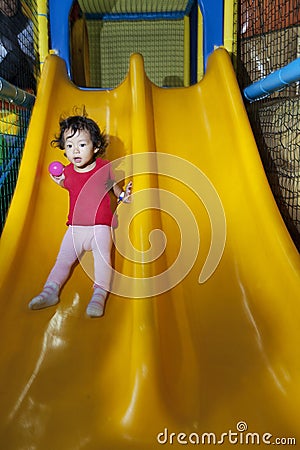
(268,39)
(18,34)
(13,126)
(19,65)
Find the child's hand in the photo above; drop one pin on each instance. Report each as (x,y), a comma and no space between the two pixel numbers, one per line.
(59,180)
(128,192)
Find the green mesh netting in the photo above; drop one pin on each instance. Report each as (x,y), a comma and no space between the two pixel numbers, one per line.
(160,39)
(132,6)
(160,43)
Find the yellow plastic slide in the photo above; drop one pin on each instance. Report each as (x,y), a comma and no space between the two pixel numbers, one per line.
(200,341)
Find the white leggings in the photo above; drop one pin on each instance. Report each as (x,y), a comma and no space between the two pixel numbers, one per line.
(78,240)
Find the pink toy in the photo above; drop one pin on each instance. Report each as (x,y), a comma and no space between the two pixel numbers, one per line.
(56,168)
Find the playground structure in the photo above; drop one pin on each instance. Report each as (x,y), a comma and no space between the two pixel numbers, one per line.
(216,353)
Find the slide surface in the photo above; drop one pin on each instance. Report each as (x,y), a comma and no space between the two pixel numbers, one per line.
(200,341)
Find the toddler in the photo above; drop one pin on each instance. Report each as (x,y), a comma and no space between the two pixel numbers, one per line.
(87,179)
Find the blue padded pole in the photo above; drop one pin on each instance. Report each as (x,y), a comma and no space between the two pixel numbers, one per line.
(276,81)
(59,28)
(213,26)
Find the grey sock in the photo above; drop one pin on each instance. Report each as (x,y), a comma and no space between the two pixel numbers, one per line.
(97,303)
(48,297)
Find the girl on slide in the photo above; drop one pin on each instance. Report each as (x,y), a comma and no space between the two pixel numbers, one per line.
(88,179)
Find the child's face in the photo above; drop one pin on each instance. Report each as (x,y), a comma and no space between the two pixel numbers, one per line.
(79,149)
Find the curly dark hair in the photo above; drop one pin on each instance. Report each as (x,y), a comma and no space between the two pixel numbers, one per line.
(77,123)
